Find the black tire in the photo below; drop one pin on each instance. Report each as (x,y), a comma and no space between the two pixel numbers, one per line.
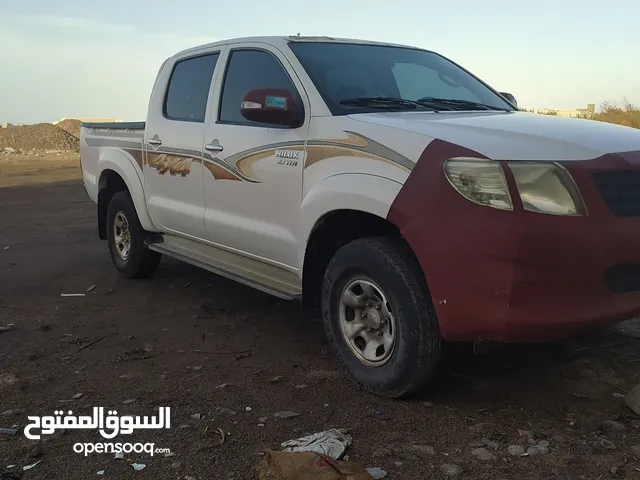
(389,263)
(140,261)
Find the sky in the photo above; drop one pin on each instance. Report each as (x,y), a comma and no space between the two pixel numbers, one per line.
(74,58)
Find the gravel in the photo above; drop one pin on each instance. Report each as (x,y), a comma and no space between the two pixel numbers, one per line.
(41,136)
(71,126)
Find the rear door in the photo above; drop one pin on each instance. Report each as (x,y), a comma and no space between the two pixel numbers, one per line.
(254,188)
(173,139)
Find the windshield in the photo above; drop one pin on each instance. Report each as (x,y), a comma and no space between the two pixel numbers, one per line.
(343,72)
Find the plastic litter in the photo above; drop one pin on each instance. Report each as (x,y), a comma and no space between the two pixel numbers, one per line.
(376,472)
(29,467)
(332,443)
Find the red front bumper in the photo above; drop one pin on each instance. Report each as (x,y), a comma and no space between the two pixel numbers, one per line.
(520,276)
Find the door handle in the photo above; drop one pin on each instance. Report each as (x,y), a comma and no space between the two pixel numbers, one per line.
(154,141)
(213,147)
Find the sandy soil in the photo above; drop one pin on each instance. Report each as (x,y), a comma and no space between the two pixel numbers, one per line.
(201,344)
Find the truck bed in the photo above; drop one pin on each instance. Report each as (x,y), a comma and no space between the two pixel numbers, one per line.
(116,125)
(114,143)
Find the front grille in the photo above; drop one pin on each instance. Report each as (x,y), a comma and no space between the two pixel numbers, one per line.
(623,278)
(620,190)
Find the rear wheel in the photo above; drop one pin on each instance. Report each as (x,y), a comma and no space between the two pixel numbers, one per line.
(379,318)
(126,237)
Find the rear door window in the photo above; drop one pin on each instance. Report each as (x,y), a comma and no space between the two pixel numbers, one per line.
(188,90)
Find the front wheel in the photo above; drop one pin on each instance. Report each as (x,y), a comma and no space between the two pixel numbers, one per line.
(126,237)
(379,318)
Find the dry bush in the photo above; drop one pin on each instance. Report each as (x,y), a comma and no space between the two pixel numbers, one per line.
(622,113)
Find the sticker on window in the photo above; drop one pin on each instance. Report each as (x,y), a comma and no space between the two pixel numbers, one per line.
(276,102)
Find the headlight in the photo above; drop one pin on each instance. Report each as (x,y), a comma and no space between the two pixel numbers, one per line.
(547,188)
(481,181)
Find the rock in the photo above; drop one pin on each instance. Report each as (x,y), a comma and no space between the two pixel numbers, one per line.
(608,444)
(189,478)
(423,450)
(263,419)
(489,443)
(481,428)
(483,454)
(571,459)
(196,416)
(77,396)
(543,444)
(247,409)
(631,327)
(176,465)
(227,412)
(286,414)
(587,373)
(558,439)
(515,450)
(636,451)
(15,411)
(451,470)
(129,401)
(537,451)
(633,399)
(618,395)
(195,369)
(9,150)
(525,434)
(611,426)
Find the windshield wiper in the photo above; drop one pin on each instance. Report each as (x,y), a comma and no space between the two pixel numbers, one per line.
(383,102)
(452,102)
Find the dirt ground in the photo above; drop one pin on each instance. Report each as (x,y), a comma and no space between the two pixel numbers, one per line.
(200,344)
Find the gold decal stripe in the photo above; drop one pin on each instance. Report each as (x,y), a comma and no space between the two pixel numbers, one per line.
(220,173)
(316,153)
(174,164)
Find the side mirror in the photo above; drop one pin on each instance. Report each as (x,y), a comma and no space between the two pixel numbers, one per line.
(510,98)
(270,105)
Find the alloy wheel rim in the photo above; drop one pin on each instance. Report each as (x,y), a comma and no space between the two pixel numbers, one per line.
(122,235)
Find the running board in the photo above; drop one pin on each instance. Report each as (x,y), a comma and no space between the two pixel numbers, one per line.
(253,273)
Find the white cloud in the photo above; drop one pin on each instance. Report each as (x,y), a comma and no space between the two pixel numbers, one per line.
(55,66)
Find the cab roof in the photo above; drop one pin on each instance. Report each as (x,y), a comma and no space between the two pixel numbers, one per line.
(281,41)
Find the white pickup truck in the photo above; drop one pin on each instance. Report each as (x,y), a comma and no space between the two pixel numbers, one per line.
(405,201)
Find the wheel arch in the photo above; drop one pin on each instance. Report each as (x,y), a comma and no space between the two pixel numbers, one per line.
(118,174)
(338,210)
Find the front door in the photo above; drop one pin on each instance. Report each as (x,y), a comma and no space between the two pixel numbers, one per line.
(254,188)
(174,134)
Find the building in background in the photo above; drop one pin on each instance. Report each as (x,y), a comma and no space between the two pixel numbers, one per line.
(570,113)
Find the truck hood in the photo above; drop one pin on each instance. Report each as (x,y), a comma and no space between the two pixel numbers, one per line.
(515,135)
